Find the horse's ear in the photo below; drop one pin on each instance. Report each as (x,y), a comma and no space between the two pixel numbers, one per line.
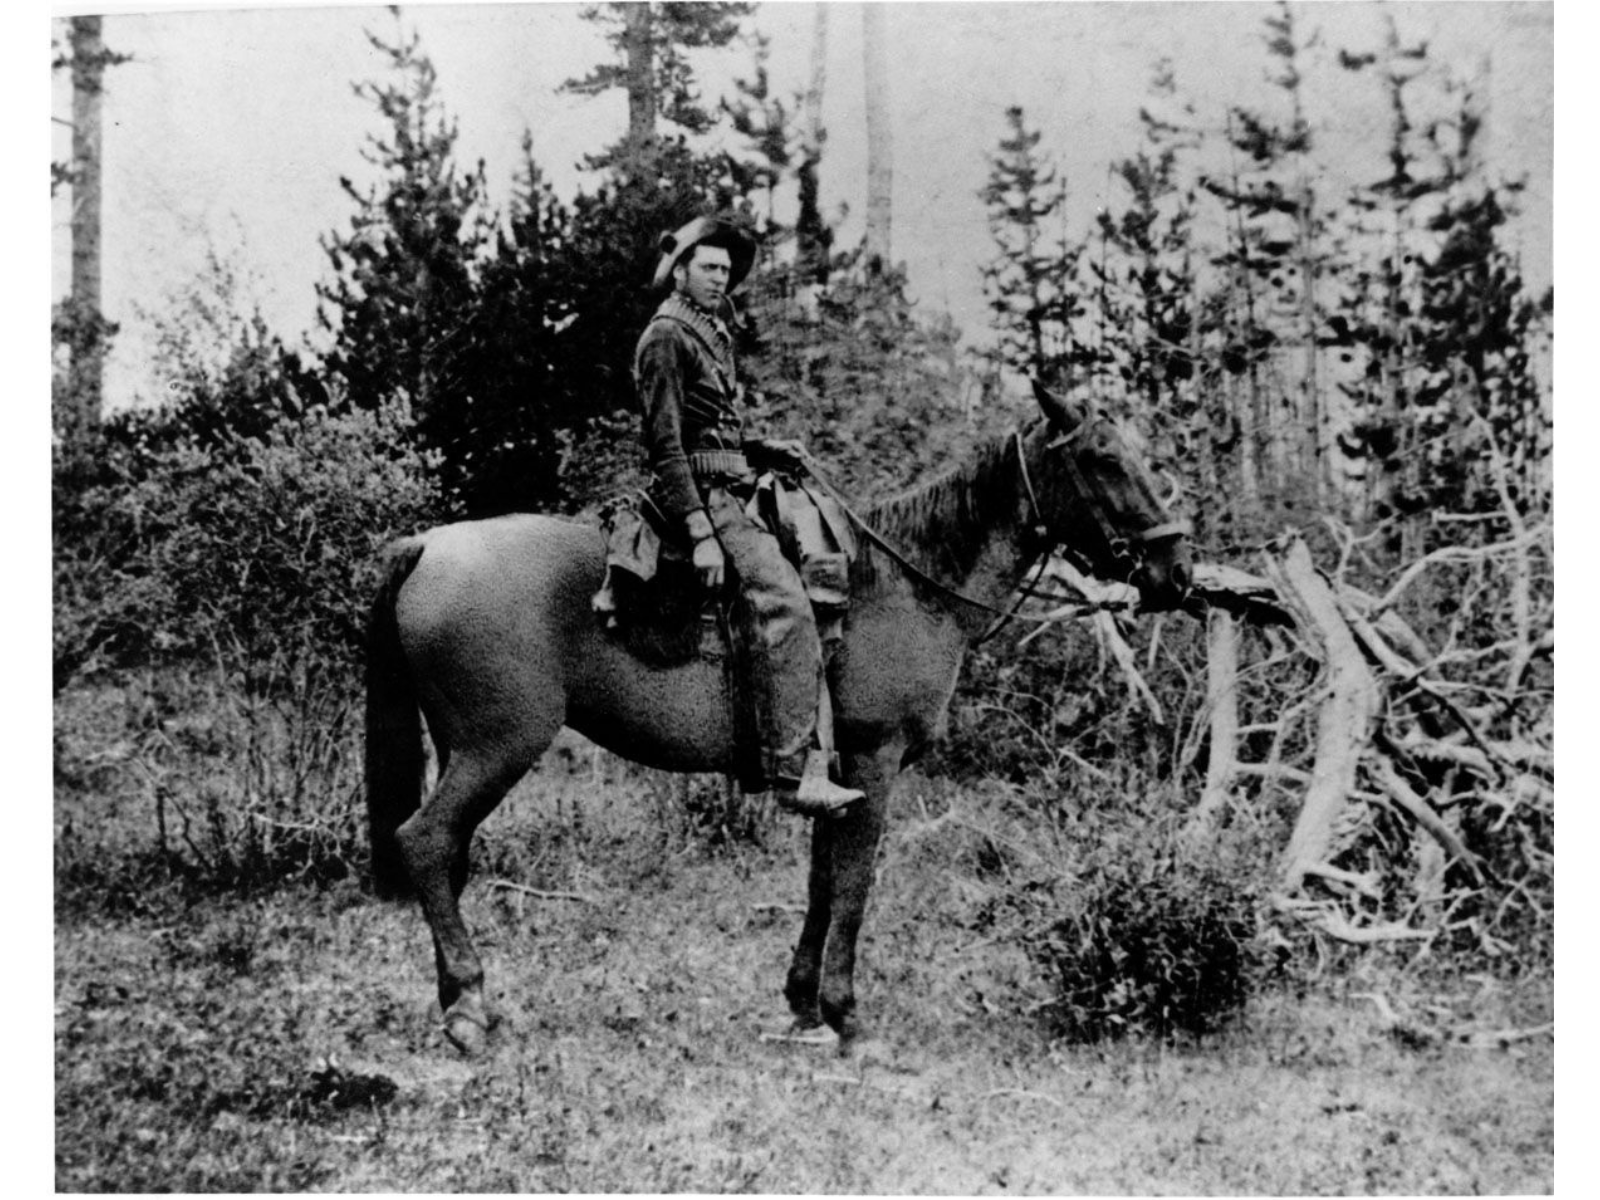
(1062,413)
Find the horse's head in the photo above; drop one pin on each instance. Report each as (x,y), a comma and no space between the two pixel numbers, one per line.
(1096,497)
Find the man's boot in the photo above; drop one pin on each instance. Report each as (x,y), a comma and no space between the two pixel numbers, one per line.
(816,795)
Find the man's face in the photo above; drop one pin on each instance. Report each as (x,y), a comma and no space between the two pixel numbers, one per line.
(703,276)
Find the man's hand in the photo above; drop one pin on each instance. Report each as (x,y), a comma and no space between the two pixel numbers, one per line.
(709,564)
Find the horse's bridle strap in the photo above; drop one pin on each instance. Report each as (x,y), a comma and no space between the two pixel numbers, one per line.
(1090,495)
(1168,529)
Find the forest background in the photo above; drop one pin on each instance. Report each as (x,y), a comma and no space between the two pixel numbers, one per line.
(1357,365)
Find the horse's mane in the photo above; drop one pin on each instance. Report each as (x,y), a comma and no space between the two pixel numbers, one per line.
(943,525)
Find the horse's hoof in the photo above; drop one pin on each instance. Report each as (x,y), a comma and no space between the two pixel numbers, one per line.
(467,1032)
(864,1051)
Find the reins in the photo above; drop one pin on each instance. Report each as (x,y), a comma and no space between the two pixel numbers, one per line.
(1002,615)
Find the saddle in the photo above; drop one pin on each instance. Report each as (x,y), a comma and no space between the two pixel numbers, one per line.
(651,601)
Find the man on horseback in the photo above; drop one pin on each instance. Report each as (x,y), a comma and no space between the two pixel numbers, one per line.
(703,482)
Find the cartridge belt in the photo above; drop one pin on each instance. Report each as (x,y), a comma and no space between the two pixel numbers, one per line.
(731,464)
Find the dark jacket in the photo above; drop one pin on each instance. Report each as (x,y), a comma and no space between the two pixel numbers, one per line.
(686,378)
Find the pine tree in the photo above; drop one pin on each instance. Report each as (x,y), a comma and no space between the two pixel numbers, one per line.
(652,41)
(1152,242)
(518,409)
(404,296)
(1479,336)
(1147,289)
(1030,282)
(1275,259)
(1376,329)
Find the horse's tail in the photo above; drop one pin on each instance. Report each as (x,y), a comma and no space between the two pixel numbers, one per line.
(394,762)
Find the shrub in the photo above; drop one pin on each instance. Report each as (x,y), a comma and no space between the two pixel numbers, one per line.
(1149,939)
(238,566)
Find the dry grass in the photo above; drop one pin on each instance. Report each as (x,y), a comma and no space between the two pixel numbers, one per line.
(193,1034)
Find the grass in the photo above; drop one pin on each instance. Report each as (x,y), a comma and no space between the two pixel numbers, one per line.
(286,1040)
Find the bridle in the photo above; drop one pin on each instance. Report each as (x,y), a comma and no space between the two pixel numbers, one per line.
(1089,494)
(1092,496)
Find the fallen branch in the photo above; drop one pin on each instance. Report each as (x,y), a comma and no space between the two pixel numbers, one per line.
(1122,653)
(523,889)
(1454,554)
(1400,792)
(1498,1039)
(1345,721)
(1361,883)
(820,1035)
(1247,596)
(1222,700)
(1337,925)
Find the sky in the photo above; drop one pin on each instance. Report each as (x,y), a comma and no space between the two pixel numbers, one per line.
(228,132)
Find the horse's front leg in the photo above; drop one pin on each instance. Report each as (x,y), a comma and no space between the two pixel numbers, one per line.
(848,846)
(805,970)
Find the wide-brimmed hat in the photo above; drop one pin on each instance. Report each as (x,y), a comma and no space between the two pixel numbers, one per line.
(724,231)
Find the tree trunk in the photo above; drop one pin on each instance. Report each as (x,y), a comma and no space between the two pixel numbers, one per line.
(1318,466)
(810,232)
(880,141)
(86,376)
(640,40)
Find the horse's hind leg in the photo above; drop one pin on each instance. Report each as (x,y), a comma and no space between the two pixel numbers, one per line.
(434,842)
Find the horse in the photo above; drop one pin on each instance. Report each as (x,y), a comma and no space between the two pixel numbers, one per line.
(485,629)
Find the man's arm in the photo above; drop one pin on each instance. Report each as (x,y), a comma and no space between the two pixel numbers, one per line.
(662,361)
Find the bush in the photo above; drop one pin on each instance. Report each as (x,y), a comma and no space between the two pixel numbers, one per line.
(238,548)
(1152,940)
(237,568)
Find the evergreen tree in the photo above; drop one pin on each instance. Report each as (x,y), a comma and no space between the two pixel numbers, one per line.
(880,395)
(764,124)
(1441,323)
(1275,261)
(1376,330)
(1479,336)
(402,300)
(1030,284)
(1147,289)
(1152,241)
(517,405)
(652,41)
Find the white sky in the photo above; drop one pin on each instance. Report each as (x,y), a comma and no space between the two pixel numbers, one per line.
(230,129)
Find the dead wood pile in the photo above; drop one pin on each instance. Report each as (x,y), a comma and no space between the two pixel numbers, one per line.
(1422,779)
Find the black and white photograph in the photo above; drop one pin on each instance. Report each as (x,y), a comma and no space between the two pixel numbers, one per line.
(804,598)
